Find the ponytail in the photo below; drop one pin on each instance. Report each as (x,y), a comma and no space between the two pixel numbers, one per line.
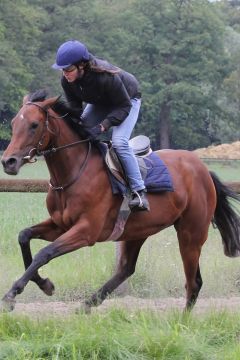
(92,66)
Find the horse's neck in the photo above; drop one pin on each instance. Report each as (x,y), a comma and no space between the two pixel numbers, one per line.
(64,164)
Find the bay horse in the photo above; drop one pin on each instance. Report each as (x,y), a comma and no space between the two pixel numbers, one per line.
(83,209)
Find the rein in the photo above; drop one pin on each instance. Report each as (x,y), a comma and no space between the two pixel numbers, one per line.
(55,149)
(82,168)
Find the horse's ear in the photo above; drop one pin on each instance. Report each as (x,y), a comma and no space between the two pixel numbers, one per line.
(50,102)
(25,99)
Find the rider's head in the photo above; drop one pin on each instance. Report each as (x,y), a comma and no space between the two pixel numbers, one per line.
(71,55)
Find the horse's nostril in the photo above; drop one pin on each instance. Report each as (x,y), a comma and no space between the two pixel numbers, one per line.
(11,161)
(11,165)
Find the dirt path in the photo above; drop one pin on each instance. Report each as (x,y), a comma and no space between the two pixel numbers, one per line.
(130,303)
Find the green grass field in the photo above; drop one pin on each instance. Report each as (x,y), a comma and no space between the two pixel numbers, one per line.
(116,334)
(120,335)
(159,270)
(226,170)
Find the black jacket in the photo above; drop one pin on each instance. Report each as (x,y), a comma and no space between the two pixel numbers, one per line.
(103,88)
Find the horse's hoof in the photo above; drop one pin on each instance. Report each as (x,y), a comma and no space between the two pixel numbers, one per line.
(83,309)
(47,287)
(7,305)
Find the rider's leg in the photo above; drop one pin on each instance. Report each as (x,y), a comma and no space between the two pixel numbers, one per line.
(120,137)
(93,115)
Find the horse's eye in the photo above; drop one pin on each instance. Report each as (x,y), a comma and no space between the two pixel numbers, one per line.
(34,125)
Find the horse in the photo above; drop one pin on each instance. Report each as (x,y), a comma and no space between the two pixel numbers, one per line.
(83,209)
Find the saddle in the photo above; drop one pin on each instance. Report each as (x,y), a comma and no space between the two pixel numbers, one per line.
(154,173)
(141,148)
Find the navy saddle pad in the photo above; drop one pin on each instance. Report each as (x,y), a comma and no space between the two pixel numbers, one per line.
(154,172)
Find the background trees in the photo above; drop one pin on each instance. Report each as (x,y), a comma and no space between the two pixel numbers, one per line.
(184,53)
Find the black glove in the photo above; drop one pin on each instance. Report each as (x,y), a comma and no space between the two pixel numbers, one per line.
(95,131)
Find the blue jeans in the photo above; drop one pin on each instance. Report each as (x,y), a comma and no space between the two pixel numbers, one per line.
(95,114)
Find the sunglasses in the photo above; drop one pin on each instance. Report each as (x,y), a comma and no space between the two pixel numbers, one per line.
(69,69)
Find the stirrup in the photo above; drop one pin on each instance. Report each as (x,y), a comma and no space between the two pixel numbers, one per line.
(139,198)
(142,203)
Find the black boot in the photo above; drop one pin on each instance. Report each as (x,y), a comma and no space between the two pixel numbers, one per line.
(139,201)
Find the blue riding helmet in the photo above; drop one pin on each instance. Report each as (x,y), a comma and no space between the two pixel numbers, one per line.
(69,53)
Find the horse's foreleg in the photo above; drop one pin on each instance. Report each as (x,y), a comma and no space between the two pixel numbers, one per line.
(71,240)
(45,230)
(128,255)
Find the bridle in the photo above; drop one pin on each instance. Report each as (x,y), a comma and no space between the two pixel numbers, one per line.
(47,152)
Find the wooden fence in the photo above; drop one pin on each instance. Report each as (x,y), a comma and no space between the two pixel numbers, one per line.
(28,185)
(23,185)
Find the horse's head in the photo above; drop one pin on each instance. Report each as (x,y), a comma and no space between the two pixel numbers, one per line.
(29,134)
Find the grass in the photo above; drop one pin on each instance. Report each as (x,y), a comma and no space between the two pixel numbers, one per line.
(226,170)
(118,334)
(36,170)
(159,271)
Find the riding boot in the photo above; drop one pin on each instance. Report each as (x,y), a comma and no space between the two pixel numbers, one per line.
(139,201)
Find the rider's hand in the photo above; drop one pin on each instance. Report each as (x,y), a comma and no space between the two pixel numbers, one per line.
(95,131)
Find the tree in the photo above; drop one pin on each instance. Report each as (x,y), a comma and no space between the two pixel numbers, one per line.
(186,63)
(19,41)
(175,48)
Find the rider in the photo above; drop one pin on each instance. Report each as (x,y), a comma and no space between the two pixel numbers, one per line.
(113,99)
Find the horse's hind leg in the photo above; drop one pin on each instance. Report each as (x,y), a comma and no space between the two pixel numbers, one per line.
(190,244)
(45,230)
(129,252)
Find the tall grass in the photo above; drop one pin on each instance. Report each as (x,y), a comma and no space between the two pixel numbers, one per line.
(122,335)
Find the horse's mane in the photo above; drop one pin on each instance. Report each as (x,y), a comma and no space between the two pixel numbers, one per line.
(62,108)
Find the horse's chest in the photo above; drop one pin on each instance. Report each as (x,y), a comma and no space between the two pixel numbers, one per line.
(62,219)
(60,210)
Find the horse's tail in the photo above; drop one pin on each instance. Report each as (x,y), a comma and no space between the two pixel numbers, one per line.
(226,217)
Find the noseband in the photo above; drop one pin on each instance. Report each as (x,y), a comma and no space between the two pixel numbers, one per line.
(44,153)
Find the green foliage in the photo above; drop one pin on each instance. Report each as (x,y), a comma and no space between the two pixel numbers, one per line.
(180,50)
(4,132)
(186,64)
(229,96)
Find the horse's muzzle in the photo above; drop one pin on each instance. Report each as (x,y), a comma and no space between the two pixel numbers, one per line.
(11,165)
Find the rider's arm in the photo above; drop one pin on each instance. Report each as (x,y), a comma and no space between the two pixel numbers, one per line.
(73,98)
(118,97)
